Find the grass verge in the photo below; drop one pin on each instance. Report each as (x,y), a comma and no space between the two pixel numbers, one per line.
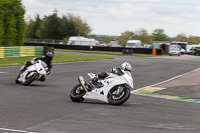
(104,52)
(58,58)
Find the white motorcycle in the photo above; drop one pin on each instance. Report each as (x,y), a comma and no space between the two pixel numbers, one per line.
(114,89)
(32,73)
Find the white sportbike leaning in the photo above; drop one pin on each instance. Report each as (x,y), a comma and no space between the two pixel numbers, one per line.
(32,73)
(114,89)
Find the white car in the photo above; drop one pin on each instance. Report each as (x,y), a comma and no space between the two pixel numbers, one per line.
(174,50)
(114,44)
(133,44)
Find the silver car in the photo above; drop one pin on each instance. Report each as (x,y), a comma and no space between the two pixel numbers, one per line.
(174,50)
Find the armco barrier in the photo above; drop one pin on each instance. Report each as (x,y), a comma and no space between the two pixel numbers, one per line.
(21,51)
(95,48)
(1,52)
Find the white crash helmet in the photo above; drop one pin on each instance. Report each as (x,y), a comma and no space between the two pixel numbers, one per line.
(126,66)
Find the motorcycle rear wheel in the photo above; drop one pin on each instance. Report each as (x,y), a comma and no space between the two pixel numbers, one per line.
(77,94)
(118,100)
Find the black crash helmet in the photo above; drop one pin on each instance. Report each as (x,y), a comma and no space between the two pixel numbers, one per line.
(49,55)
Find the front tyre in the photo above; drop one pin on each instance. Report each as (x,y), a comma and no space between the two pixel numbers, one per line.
(118,99)
(16,80)
(30,79)
(77,93)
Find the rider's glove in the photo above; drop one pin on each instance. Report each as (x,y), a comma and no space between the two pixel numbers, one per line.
(114,70)
(32,62)
(102,75)
(95,79)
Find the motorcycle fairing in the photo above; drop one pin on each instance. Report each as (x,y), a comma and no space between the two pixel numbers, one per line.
(35,68)
(108,83)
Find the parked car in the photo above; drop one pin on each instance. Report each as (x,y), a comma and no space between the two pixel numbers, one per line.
(103,44)
(114,44)
(195,51)
(133,44)
(79,40)
(183,46)
(192,50)
(174,50)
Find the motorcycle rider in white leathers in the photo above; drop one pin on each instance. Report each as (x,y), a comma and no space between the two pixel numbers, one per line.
(115,70)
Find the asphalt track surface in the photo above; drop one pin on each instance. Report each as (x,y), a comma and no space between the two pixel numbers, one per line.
(47,108)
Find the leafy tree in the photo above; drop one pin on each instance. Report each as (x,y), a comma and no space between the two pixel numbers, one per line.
(125,36)
(159,35)
(20,23)
(181,37)
(83,28)
(51,27)
(2,12)
(193,40)
(11,22)
(143,36)
(69,28)
(105,39)
(54,27)
(140,34)
(32,27)
(36,27)
(29,26)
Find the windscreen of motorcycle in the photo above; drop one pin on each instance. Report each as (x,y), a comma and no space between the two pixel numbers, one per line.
(129,79)
(43,64)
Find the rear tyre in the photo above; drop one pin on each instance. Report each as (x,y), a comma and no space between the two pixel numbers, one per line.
(77,93)
(114,99)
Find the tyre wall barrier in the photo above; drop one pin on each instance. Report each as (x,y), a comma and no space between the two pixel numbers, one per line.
(20,51)
(96,48)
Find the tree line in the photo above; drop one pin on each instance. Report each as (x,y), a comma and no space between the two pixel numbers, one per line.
(11,22)
(156,35)
(13,28)
(55,27)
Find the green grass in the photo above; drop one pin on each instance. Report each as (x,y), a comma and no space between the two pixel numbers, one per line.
(103,52)
(61,58)
(14,61)
(58,58)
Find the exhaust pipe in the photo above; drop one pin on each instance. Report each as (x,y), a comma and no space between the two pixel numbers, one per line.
(82,82)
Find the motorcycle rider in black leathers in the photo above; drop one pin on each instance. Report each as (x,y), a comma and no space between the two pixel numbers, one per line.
(47,59)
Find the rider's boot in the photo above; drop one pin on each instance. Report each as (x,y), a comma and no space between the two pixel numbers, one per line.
(22,69)
(96,83)
(94,80)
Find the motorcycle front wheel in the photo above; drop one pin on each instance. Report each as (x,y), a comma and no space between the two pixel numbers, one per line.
(118,99)
(29,80)
(16,80)
(77,93)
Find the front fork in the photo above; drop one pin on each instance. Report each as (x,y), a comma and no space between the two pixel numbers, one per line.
(120,90)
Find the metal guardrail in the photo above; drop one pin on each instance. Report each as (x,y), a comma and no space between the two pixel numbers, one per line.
(49,41)
(21,51)
(96,48)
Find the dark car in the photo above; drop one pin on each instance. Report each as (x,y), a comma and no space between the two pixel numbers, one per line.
(195,51)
